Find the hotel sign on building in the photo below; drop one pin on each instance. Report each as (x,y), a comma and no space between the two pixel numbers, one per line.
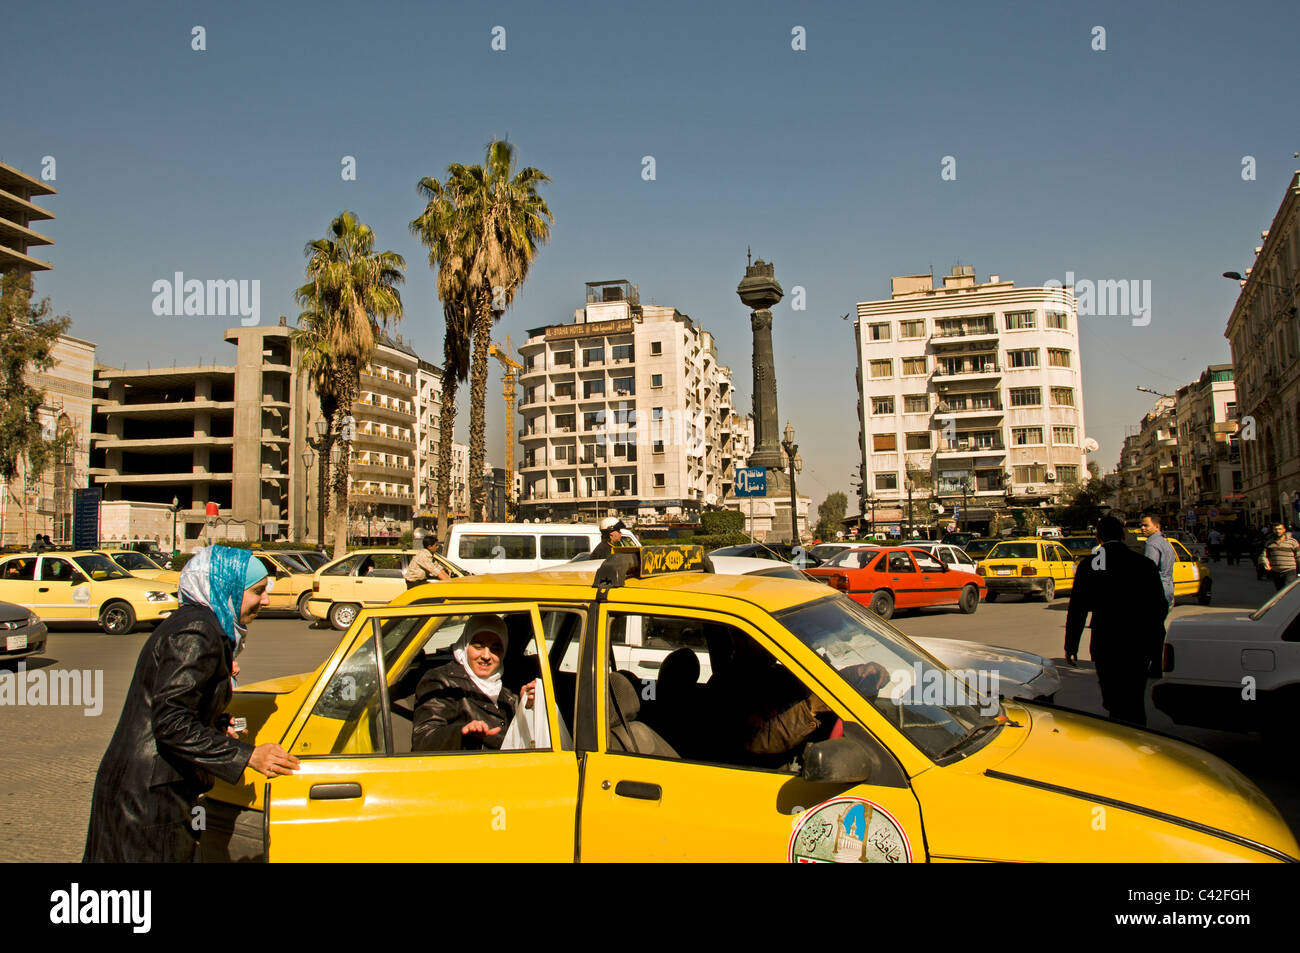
(595,329)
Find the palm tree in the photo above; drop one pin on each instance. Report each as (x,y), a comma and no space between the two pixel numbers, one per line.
(351,293)
(483,225)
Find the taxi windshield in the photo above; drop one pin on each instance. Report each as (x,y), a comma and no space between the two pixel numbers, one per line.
(99,567)
(130,560)
(938,712)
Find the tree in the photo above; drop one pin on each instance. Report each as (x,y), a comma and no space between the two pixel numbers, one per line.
(830,515)
(1084,508)
(350,295)
(490,220)
(27,337)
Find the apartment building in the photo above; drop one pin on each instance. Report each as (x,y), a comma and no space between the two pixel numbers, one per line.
(1209,456)
(1149,466)
(385,450)
(1264,333)
(973,386)
(17,212)
(428,403)
(625,411)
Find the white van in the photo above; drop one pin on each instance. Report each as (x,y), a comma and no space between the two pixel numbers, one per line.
(482,548)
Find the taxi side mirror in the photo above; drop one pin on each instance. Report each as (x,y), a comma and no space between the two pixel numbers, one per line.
(838,760)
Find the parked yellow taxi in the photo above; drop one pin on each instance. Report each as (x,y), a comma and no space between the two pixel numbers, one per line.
(879,754)
(362,578)
(1191,576)
(1028,567)
(83,586)
(142,566)
(291,582)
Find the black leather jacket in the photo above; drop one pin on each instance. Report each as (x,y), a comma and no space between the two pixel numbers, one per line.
(446,701)
(169,743)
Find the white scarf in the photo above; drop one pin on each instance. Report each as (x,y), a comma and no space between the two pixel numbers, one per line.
(490,686)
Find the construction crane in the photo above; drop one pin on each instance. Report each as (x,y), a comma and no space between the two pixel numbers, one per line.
(509,366)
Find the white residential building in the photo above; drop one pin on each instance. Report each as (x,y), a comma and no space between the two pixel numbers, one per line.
(428,408)
(968,385)
(625,411)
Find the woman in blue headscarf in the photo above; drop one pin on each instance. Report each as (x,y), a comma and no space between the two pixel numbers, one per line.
(174,735)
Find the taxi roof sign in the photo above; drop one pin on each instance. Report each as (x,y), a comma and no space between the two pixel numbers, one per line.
(634,562)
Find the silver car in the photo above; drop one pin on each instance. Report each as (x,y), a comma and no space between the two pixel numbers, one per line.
(22,633)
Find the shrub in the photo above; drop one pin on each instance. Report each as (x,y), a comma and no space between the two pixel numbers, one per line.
(718,522)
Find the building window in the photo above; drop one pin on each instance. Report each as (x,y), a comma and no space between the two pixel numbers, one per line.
(592,355)
(911,329)
(564,358)
(1058,319)
(1024,358)
(624,386)
(1067,474)
(621,352)
(1062,435)
(657,447)
(882,405)
(656,347)
(884,441)
(886,481)
(1064,396)
(918,441)
(1029,474)
(1026,396)
(878,332)
(1025,436)
(656,413)
(562,484)
(656,380)
(883,368)
(1058,357)
(916,403)
(913,366)
(1019,320)
(594,388)
(593,419)
(659,480)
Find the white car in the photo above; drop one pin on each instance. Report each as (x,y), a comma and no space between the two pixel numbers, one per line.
(954,557)
(1020,674)
(1234,670)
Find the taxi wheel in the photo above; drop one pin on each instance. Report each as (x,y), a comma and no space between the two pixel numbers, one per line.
(970,600)
(117,618)
(1049,590)
(343,614)
(304,611)
(882,604)
(1203,596)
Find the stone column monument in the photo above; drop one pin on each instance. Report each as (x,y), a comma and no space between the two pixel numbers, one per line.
(759,290)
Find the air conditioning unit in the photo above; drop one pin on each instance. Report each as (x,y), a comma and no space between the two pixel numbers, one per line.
(963,444)
(1051,477)
(988,366)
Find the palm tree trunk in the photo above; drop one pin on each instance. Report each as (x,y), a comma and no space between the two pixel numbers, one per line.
(446,434)
(349,387)
(478,404)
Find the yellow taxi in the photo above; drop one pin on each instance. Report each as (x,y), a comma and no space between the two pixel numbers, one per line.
(291,582)
(362,578)
(83,586)
(1029,566)
(900,761)
(142,566)
(1191,576)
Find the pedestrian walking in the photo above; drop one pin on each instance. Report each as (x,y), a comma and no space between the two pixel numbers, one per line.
(424,568)
(1280,557)
(1122,591)
(174,735)
(1215,542)
(1158,550)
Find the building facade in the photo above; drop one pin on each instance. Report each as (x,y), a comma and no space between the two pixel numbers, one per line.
(1209,455)
(17,212)
(969,394)
(385,450)
(1149,466)
(428,403)
(625,411)
(1264,334)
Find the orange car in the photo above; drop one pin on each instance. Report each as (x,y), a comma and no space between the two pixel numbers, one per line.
(896,577)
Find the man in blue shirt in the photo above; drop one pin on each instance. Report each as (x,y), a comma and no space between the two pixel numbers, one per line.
(1159,551)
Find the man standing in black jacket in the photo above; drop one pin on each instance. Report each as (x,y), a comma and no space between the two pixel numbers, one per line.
(1123,591)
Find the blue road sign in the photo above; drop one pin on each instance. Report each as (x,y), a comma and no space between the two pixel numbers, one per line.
(85,517)
(751,481)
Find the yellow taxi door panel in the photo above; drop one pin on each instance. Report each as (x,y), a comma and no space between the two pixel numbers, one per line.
(645,808)
(361,794)
(62,591)
(280,597)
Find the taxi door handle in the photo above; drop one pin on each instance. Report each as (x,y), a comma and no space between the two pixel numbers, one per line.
(639,789)
(334,792)
(43,589)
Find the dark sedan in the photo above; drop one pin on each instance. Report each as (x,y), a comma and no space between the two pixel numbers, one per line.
(21,632)
(782,551)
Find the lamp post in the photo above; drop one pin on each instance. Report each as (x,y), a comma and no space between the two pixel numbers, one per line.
(176,508)
(965,491)
(320,444)
(871,504)
(1238,276)
(792,455)
(336,454)
(910,486)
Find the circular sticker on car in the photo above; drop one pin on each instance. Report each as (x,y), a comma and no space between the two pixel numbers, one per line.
(849,830)
(81,595)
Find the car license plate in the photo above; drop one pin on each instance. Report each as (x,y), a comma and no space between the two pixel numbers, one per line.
(15,642)
(1004,572)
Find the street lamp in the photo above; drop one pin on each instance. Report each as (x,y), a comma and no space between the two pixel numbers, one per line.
(910,486)
(965,491)
(871,503)
(1238,276)
(320,444)
(792,455)
(176,507)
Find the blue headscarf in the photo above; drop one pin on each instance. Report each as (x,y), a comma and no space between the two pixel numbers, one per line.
(216,577)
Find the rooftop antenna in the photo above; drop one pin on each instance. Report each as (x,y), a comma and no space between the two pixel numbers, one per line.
(749,256)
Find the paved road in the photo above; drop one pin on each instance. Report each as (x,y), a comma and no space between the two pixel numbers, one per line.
(49,754)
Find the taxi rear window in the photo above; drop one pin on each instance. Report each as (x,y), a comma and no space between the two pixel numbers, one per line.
(1014,551)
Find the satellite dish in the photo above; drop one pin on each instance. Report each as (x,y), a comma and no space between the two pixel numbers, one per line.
(711,499)
(1090,445)
(938,508)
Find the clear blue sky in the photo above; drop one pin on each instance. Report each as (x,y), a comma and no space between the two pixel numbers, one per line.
(1117,164)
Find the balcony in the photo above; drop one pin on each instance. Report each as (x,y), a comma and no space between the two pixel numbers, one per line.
(984,369)
(950,409)
(967,448)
